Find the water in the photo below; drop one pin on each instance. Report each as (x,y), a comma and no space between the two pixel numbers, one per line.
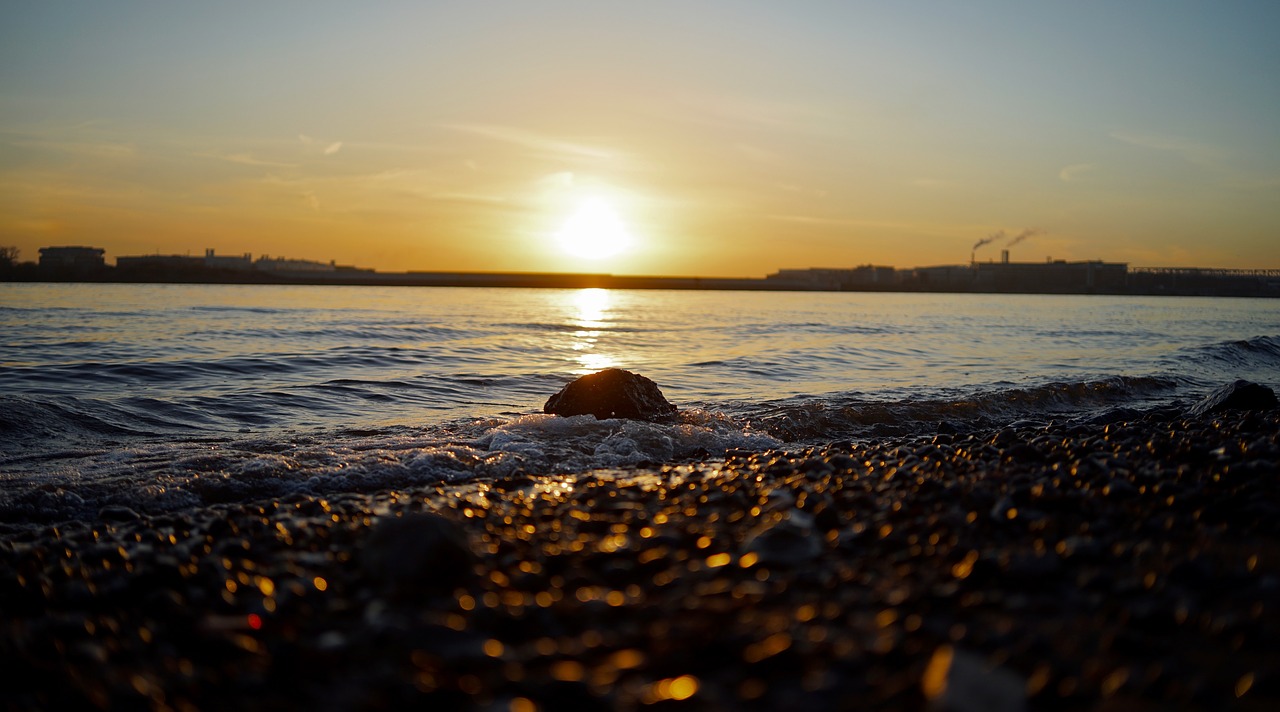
(167,396)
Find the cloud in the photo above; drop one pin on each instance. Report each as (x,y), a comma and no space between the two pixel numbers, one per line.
(535,141)
(559,179)
(1215,160)
(95,149)
(757,154)
(1201,154)
(727,111)
(917,228)
(1074,171)
(453,197)
(329,149)
(247,159)
(800,189)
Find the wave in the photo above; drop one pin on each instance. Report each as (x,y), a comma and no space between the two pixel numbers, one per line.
(854,415)
(159,477)
(1255,359)
(66,459)
(216,370)
(227,309)
(1252,353)
(27,421)
(354,332)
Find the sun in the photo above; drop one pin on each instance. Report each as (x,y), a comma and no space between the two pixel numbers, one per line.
(594,231)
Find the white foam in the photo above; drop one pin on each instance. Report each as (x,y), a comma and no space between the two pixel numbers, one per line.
(163,477)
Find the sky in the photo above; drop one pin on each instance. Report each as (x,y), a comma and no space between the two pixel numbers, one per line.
(709,138)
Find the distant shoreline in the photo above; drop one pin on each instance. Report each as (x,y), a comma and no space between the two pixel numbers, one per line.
(554,280)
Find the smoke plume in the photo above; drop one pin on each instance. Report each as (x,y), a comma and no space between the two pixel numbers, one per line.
(1029,232)
(989,239)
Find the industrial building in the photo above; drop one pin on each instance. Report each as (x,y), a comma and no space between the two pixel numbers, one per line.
(214,261)
(1051,276)
(72,258)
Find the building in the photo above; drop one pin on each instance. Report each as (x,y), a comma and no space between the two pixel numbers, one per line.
(215,261)
(1051,276)
(864,277)
(211,260)
(159,262)
(284,264)
(1194,281)
(79,259)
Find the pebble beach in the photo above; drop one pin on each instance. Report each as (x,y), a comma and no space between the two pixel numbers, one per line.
(1129,565)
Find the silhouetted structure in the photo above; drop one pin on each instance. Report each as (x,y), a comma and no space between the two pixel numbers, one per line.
(864,277)
(285,264)
(1210,282)
(1055,276)
(156,262)
(238,267)
(72,258)
(1049,277)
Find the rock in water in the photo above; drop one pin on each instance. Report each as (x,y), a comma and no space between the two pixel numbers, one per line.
(418,553)
(612,393)
(1241,395)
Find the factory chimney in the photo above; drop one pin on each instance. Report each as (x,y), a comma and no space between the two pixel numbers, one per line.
(1004,257)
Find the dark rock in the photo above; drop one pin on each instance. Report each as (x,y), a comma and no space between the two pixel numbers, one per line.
(418,552)
(961,681)
(1241,395)
(1115,415)
(612,393)
(117,513)
(791,541)
(1004,438)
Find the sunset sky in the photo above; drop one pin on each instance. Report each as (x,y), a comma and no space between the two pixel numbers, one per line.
(723,138)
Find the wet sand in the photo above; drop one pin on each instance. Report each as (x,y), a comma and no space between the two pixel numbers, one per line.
(1126,566)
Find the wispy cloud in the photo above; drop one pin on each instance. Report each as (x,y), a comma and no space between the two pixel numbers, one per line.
(1216,160)
(534,141)
(1201,154)
(919,228)
(739,111)
(455,197)
(95,149)
(559,179)
(247,159)
(327,148)
(757,154)
(800,189)
(1074,172)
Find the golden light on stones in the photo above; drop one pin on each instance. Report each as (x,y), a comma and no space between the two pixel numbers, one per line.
(676,688)
(617,561)
(934,682)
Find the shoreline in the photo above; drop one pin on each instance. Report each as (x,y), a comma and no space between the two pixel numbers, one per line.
(549,280)
(1123,566)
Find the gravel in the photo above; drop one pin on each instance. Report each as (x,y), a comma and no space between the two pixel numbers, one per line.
(1131,565)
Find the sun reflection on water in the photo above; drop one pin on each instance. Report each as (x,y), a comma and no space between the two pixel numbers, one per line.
(592,305)
(592,316)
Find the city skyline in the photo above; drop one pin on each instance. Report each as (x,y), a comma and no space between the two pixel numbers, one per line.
(724,139)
